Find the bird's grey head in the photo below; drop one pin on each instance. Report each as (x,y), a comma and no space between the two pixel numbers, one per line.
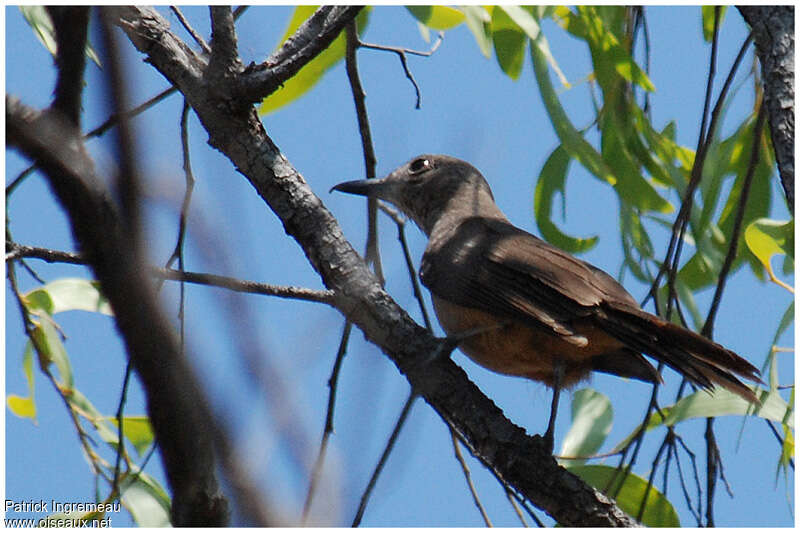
(426,187)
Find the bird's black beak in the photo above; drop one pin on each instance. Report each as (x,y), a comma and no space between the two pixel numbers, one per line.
(370,188)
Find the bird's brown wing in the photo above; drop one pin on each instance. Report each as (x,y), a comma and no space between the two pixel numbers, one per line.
(495,267)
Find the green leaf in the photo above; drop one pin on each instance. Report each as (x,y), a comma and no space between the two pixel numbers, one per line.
(509,43)
(50,349)
(68,294)
(525,20)
(479,21)
(631,186)
(100,423)
(592,416)
(609,54)
(715,403)
(552,180)
(146,500)
(39,20)
(312,73)
(635,238)
(136,429)
(721,402)
(569,136)
(658,511)
(708,21)
(766,237)
(437,17)
(25,407)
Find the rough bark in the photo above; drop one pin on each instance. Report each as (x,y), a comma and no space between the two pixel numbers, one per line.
(773,28)
(236,131)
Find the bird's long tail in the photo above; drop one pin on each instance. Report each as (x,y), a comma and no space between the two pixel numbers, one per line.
(701,360)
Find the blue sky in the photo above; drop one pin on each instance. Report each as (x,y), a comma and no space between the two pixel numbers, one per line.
(469,110)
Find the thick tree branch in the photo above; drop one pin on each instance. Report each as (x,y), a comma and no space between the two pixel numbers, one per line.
(224,50)
(773,27)
(70,25)
(311,38)
(175,404)
(520,460)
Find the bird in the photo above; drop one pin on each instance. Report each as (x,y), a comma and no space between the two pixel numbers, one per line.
(522,307)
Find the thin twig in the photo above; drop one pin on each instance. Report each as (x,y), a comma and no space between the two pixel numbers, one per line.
(401,53)
(328,431)
(388,450)
(698,488)
(653,469)
(704,140)
(114,119)
(712,461)
(744,196)
(777,435)
(18,251)
(465,469)
(515,506)
(188,27)
(239,11)
(372,252)
(400,221)
(120,431)
(212,280)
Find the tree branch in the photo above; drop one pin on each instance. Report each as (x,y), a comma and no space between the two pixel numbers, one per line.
(513,456)
(175,404)
(311,38)
(70,24)
(224,52)
(773,27)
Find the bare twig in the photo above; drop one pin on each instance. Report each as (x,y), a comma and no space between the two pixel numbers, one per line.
(188,27)
(328,431)
(401,53)
(704,140)
(114,119)
(120,430)
(515,506)
(465,469)
(18,251)
(212,280)
(385,455)
(694,509)
(400,221)
(372,253)
(708,327)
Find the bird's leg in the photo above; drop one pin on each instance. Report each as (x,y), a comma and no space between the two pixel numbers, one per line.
(452,341)
(558,377)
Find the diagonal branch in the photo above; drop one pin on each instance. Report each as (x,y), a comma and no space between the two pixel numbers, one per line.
(175,403)
(520,460)
(773,27)
(311,38)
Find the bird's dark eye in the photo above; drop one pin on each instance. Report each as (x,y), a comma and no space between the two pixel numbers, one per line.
(419,166)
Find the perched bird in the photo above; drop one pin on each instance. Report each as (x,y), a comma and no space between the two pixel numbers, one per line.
(523,307)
